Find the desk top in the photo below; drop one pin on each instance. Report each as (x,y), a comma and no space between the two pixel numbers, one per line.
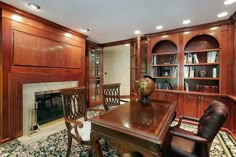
(148,121)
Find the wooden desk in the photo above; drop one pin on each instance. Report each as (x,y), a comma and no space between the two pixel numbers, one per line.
(134,126)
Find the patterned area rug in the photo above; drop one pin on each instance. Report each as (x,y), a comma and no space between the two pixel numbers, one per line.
(55,145)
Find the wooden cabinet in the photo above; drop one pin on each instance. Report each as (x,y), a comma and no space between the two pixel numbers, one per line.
(95,73)
(138,63)
(193,61)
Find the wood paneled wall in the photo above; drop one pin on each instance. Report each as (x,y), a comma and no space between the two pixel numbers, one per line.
(33,50)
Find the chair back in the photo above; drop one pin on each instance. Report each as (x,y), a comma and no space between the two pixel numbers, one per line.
(111,95)
(74,102)
(212,120)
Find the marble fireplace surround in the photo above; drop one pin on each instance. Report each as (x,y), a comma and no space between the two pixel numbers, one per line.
(29,90)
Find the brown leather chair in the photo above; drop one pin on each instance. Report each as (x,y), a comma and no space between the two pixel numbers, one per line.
(74,107)
(183,143)
(110,95)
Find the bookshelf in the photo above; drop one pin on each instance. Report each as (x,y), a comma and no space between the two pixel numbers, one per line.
(164,67)
(202,64)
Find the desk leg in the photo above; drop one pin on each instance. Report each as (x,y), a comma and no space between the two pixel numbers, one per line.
(95,143)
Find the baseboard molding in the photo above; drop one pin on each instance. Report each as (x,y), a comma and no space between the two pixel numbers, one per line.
(125,96)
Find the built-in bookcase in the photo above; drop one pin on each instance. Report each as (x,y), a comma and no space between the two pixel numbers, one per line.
(202,64)
(165,65)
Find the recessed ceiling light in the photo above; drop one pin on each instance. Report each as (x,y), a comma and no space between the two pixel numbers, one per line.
(34,6)
(85,30)
(228,2)
(137,32)
(185,22)
(164,36)
(214,28)
(186,33)
(16,18)
(159,27)
(67,35)
(223,14)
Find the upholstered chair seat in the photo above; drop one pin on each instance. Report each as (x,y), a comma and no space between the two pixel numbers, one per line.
(84,132)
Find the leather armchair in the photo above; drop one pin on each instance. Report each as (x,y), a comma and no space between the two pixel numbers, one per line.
(182,143)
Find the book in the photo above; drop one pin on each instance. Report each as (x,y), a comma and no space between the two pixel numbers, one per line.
(190,58)
(213,57)
(191,72)
(208,57)
(185,59)
(186,85)
(195,58)
(214,73)
(186,71)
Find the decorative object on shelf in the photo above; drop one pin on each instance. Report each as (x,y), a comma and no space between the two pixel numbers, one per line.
(166,73)
(208,89)
(145,86)
(202,73)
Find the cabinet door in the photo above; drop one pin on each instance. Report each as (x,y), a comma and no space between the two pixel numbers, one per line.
(203,104)
(173,97)
(190,105)
(158,95)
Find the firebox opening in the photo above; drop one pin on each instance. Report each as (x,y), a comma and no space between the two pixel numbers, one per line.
(49,106)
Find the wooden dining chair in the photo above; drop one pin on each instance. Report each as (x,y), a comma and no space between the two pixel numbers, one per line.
(75,108)
(110,95)
(183,143)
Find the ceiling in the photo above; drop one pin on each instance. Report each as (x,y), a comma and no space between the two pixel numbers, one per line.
(115,20)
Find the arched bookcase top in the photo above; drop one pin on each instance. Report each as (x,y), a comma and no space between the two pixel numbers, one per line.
(164,46)
(202,42)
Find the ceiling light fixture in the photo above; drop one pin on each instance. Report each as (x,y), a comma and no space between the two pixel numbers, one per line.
(228,2)
(214,28)
(159,27)
(185,22)
(16,18)
(185,33)
(223,14)
(34,6)
(67,35)
(137,32)
(164,36)
(85,30)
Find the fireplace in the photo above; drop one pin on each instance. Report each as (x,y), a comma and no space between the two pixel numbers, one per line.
(42,103)
(48,106)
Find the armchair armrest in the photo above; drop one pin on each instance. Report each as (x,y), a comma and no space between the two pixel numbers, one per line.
(77,122)
(189,137)
(181,118)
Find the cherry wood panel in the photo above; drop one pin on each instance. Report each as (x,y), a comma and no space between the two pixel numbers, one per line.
(234,43)
(5,67)
(33,51)
(190,107)
(45,33)
(36,51)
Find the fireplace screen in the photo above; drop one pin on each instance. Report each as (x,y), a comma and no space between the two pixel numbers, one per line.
(49,106)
